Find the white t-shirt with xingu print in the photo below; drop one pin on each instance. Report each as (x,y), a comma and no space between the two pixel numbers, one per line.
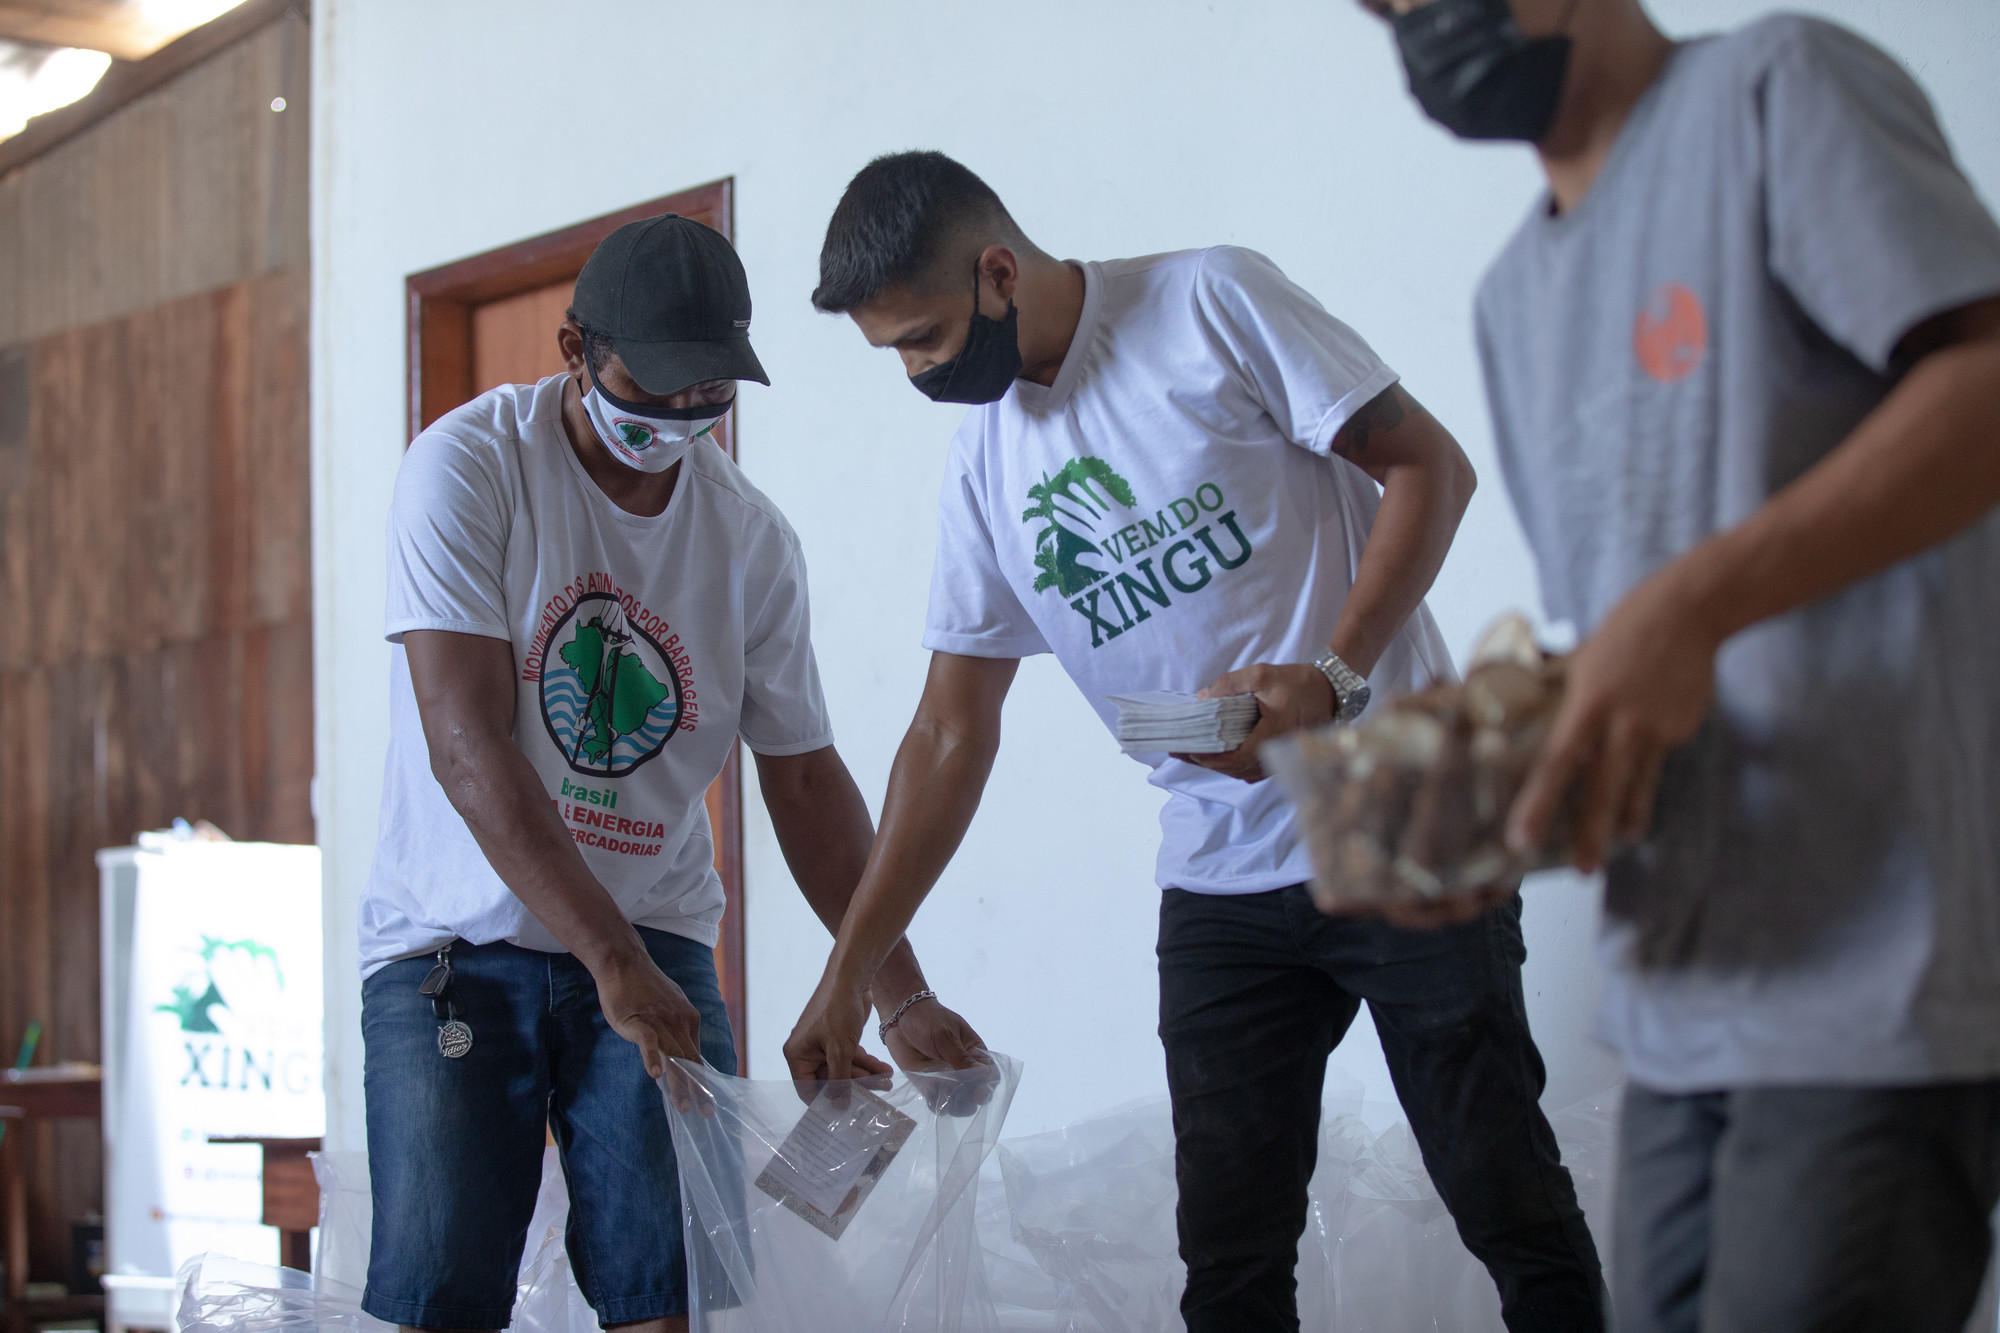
(1168,510)
(642,648)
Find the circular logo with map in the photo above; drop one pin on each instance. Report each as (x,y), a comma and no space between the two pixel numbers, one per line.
(610,698)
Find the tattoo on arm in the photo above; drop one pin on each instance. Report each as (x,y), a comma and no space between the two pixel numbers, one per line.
(1384,412)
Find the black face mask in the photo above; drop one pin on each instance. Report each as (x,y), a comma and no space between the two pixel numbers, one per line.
(1475,73)
(984,367)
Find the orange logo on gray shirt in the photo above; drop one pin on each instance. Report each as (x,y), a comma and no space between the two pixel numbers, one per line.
(1671,334)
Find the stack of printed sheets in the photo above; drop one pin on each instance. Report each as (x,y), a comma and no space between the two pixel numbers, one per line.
(1161,721)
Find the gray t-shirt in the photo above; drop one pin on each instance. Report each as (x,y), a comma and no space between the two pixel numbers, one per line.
(1819,901)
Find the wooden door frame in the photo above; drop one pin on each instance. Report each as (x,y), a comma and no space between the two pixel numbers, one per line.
(440,303)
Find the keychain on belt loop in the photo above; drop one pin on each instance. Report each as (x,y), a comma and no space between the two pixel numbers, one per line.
(455,1036)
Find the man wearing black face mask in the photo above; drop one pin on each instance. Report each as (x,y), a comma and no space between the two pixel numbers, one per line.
(1744,362)
(1169,480)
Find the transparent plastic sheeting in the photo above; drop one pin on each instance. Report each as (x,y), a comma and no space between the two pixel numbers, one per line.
(1081,1239)
(1071,1231)
(221,1295)
(832,1207)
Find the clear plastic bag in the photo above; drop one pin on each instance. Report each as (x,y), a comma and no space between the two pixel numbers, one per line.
(851,1207)
(346,1211)
(1073,1232)
(222,1295)
(1091,1207)
(217,1294)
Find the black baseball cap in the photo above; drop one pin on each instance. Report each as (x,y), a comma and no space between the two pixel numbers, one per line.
(674,300)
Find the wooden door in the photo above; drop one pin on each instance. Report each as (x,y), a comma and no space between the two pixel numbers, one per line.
(491,319)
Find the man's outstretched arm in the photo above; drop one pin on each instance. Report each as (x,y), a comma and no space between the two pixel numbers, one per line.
(934,789)
(1427,482)
(465,694)
(1919,469)
(824,831)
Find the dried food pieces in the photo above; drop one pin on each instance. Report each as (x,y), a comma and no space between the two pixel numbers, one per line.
(1411,804)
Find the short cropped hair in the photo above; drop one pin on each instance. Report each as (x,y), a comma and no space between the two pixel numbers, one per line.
(898,218)
(600,347)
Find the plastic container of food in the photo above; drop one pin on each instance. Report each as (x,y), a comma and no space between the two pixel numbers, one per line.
(1411,804)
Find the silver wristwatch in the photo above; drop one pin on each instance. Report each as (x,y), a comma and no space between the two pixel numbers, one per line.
(1350,688)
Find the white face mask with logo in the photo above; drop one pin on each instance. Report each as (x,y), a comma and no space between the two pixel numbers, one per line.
(641,438)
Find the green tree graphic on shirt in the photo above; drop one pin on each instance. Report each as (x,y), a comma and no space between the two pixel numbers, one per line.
(1070,506)
(620,692)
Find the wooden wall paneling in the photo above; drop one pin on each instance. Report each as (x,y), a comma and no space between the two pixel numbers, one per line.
(154,558)
(226,518)
(117,724)
(225,727)
(288,664)
(122,374)
(17,504)
(74,835)
(24,851)
(209,697)
(279,495)
(142,548)
(31,862)
(170,768)
(187,362)
(120,378)
(253,736)
(195,186)
(74,1183)
(157,574)
(132,78)
(15,866)
(275,720)
(57,605)
(158,468)
(292,784)
(143,728)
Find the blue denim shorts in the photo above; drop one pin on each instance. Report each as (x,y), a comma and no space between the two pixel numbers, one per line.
(455,1146)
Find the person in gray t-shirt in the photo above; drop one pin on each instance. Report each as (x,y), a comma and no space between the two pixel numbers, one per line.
(1744,365)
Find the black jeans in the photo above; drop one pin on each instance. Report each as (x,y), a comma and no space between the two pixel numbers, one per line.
(1255,992)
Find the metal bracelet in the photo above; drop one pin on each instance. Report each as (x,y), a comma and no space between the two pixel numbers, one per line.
(901,1009)
(1350,688)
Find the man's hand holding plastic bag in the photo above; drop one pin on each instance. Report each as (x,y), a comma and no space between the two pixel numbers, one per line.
(825,1046)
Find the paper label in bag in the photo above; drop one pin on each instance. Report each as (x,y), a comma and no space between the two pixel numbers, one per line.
(834,1155)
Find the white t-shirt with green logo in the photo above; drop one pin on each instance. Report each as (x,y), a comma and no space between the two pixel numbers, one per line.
(642,648)
(1168,510)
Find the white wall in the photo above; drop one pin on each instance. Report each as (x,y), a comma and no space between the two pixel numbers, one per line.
(450,127)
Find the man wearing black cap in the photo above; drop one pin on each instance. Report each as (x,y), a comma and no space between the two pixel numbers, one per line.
(591,603)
